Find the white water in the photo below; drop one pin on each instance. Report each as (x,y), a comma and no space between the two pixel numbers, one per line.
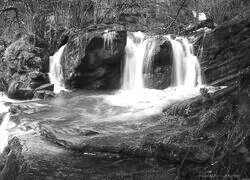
(108,39)
(138,57)
(186,68)
(4,134)
(56,72)
(137,51)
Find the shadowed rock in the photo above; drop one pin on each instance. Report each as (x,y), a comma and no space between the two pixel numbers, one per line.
(15,92)
(89,63)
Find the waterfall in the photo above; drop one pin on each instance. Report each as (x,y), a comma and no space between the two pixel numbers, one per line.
(55,70)
(108,39)
(139,53)
(3,127)
(137,50)
(186,69)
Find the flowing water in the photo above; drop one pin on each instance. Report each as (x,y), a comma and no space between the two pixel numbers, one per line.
(55,70)
(108,39)
(186,67)
(3,126)
(78,118)
(134,56)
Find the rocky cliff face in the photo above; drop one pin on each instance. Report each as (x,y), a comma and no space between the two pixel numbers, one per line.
(226,52)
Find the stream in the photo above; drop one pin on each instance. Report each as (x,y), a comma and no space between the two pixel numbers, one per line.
(55,132)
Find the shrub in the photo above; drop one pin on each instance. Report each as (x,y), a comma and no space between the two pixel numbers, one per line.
(221,10)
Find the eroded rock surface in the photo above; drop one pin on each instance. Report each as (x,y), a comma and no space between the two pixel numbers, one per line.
(226,52)
(91,63)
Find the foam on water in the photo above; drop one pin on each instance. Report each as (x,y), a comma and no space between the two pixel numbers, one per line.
(138,51)
(186,68)
(151,101)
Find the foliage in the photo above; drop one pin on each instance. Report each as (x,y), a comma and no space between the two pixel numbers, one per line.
(21,54)
(221,10)
(224,127)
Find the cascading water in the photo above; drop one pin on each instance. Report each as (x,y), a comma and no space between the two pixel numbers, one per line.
(186,67)
(55,70)
(137,50)
(138,57)
(3,128)
(139,60)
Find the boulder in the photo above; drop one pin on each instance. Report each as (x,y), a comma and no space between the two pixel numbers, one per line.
(91,61)
(21,56)
(38,79)
(3,84)
(22,59)
(48,87)
(159,79)
(15,162)
(15,92)
(159,76)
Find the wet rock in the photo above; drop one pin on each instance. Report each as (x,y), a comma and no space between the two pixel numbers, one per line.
(15,92)
(90,63)
(14,161)
(48,87)
(44,94)
(159,79)
(38,79)
(88,133)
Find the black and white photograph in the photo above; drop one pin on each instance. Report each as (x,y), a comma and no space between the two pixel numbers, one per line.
(124,89)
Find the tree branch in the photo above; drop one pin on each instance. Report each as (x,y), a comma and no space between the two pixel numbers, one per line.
(179,10)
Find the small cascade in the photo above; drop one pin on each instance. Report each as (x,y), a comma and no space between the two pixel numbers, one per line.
(186,67)
(137,50)
(148,57)
(55,71)
(4,134)
(108,39)
(139,53)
